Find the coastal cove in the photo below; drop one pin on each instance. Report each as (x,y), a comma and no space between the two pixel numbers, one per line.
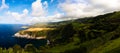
(7,31)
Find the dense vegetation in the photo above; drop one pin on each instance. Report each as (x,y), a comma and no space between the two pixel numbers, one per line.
(99,34)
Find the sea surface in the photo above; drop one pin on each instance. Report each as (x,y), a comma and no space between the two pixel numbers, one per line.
(7,40)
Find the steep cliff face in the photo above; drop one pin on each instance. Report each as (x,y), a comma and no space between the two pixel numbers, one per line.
(33,33)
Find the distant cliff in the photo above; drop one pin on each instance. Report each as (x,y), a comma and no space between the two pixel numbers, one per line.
(33,33)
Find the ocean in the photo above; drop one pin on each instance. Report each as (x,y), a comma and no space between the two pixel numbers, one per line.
(7,40)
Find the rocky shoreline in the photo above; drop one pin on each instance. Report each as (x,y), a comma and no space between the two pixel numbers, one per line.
(27,33)
(28,36)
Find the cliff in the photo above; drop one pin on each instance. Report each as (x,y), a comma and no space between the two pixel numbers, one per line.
(33,33)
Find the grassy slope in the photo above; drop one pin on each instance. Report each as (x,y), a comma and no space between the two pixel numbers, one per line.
(112,46)
(96,35)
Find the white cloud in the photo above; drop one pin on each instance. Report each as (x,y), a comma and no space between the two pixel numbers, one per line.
(107,5)
(52,18)
(55,17)
(86,8)
(25,12)
(45,4)
(38,9)
(75,9)
(3,6)
(37,14)
(24,18)
(18,16)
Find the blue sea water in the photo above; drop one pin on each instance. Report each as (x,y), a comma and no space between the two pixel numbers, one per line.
(7,40)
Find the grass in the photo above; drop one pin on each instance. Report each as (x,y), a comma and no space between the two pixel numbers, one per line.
(39,29)
(62,48)
(109,46)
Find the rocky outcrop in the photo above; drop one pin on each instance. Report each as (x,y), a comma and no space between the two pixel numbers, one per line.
(33,33)
(18,35)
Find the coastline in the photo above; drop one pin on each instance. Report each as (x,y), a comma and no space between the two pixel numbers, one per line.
(28,36)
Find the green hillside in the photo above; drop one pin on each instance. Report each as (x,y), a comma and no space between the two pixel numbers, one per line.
(100,34)
(89,35)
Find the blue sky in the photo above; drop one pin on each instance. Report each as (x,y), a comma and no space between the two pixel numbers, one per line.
(36,11)
(19,5)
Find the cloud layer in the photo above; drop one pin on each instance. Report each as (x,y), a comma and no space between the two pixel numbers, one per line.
(18,16)
(86,8)
(3,6)
(37,8)
(71,9)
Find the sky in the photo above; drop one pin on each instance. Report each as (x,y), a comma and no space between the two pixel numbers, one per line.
(39,11)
